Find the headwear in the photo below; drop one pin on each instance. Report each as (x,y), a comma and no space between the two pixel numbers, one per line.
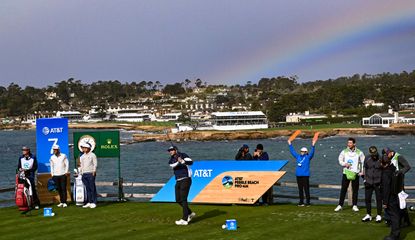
(304,149)
(386,151)
(373,150)
(171,148)
(25,148)
(245,146)
(55,147)
(260,147)
(86,145)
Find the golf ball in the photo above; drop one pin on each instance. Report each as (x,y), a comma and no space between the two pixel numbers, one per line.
(53,214)
(223,226)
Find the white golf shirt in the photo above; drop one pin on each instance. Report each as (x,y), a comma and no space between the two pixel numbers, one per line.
(88,162)
(59,165)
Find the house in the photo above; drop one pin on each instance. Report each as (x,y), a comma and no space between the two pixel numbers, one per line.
(370,102)
(386,119)
(298,117)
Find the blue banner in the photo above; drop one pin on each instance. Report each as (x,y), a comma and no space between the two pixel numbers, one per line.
(49,132)
(205,172)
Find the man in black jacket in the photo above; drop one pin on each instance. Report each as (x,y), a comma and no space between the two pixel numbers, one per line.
(372,177)
(402,167)
(243,153)
(389,188)
(180,162)
(28,164)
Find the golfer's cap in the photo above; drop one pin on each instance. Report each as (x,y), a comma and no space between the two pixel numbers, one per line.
(245,146)
(55,147)
(304,149)
(86,145)
(171,148)
(24,148)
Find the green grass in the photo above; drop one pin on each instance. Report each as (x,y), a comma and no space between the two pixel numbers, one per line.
(156,221)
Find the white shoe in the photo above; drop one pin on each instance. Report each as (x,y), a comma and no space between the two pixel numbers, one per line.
(92,205)
(181,222)
(367,218)
(378,218)
(60,204)
(355,208)
(338,208)
(65,205)
(192,215)
(37,207)
(86,205)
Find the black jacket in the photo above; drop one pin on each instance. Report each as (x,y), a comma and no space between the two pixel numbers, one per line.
(404,167)
(389,185)
(181,170)
(373,170)
(239,156)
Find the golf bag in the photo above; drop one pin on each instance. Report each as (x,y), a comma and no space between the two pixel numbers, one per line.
(79,191)
(23,193)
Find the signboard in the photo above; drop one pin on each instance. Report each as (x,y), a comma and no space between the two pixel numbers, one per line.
(104,143)
(242,182)
(49,132)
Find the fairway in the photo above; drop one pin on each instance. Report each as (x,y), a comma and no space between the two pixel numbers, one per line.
(156,221)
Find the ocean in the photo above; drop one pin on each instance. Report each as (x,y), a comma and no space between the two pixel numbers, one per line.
(148,161)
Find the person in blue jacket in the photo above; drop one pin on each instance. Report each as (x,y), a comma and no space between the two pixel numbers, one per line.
(302,171)
(180,163)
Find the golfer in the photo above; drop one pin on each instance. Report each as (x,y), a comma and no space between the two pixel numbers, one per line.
(59,169)
(89,172)
(180,163)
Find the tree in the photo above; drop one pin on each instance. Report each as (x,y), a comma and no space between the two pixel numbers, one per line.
(174,89)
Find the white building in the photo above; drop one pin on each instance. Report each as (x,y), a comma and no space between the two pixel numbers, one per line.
(239,120)
(386,119)
(72,116)
(169,117)
(298,117)
(370,102)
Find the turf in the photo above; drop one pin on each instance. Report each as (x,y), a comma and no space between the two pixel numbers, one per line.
(156,221)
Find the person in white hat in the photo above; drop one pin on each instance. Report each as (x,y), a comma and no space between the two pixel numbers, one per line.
(302,171)
(59,169)
(88,168)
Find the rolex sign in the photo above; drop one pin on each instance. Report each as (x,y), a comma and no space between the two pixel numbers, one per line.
(103,143)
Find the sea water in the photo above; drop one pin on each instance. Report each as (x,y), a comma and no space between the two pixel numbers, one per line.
(148,161)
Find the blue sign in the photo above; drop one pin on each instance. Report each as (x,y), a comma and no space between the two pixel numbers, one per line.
(231,224)
(47,212)
(49,132)
(205,173)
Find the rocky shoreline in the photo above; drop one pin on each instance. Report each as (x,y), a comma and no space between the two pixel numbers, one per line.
(156,133)
(264,134)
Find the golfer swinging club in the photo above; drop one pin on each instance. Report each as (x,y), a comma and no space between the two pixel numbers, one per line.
(180,163)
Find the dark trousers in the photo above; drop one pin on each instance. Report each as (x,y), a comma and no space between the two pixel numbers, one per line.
(182,189)
(34,192)
(91,191)
(369,188)
(304,187)
(60,182)
(345,186)
(393,212)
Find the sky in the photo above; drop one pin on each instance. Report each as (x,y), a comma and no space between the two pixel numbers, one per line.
(219,41)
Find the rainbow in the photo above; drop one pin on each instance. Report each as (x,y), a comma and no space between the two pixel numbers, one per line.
(326,38)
